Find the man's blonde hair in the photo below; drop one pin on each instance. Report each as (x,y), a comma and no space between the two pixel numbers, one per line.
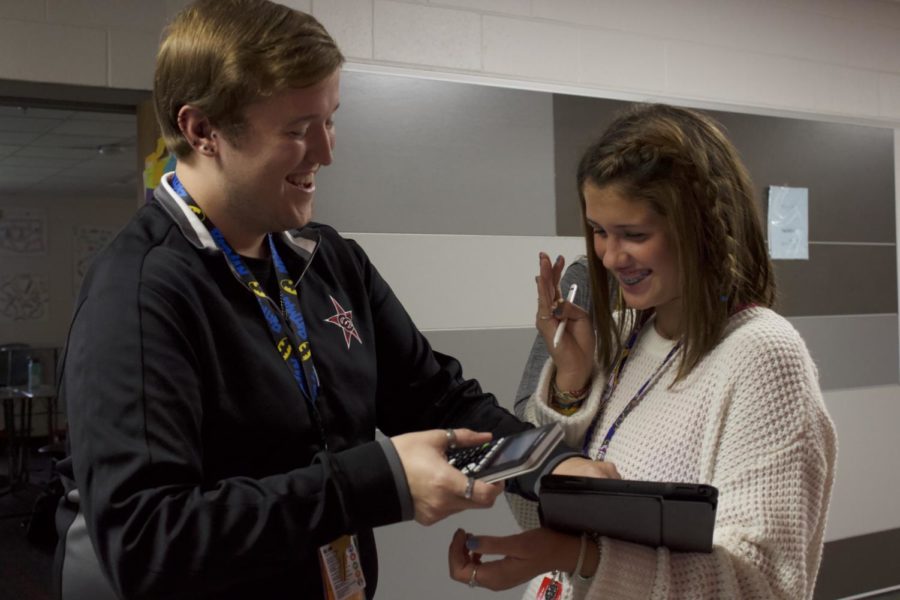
(221,55)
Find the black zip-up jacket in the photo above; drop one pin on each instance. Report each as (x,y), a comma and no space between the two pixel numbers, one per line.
(200,469)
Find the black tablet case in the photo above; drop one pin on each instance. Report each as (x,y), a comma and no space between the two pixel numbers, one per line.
(679,516)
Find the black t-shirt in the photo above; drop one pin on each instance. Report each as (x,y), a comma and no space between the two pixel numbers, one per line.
(264,271)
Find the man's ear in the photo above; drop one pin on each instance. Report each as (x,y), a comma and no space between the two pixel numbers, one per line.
(197,130)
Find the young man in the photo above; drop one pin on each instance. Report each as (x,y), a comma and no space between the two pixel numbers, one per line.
(229,361)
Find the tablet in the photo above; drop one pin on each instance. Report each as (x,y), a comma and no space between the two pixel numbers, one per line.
(679,516)
(508,456)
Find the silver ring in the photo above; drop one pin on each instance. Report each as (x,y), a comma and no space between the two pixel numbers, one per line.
(544,317)
(472,582)
(451,438)
(470,485)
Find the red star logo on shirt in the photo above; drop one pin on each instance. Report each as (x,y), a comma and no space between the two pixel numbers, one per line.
(344,319)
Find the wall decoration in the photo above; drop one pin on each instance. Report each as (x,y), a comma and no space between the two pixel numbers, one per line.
(23,232)
(24,297)
(788,222)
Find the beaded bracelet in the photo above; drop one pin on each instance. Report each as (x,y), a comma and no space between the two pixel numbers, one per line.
(566,410)
(565,398)
(567,403)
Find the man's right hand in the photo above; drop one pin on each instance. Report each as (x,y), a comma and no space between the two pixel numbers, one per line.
(438,489)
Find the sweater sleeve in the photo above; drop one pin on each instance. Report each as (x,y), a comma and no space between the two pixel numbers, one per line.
(575,426)
(771,455)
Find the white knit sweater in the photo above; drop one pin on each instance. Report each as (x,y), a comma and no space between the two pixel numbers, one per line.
(750,420)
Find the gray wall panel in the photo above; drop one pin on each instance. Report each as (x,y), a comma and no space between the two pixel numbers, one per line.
(858,565)
(849,170)
(839,280)
(420,156)
(852,350)
(495,357)
(577,122)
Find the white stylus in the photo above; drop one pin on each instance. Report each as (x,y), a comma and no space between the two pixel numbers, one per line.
(562,324)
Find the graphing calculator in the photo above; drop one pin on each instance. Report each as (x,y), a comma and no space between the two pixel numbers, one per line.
(508,456)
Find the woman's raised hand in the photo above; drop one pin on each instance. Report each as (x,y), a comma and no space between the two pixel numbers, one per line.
(574,355)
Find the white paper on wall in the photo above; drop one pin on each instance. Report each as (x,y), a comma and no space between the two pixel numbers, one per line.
(23,232)
(788,222)
(24,297)
(88,242)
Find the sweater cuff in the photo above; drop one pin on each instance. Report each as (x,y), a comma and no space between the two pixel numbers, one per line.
(407,512)
(575,425)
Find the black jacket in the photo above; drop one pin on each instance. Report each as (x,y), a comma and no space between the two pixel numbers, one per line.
(201,471)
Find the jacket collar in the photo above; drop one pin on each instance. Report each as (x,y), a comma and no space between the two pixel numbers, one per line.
(302,241)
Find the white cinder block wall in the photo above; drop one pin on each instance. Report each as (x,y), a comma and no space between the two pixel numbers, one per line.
(829,59)
(838,58)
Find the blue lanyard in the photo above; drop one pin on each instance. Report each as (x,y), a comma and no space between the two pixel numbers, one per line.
(611,384)
(291,340)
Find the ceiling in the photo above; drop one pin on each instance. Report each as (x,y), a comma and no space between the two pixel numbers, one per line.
(66,153)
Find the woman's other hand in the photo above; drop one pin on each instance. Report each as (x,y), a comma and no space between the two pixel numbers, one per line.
(525,556)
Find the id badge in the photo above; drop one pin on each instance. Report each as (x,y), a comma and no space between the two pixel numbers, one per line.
(342,573)
(551,589)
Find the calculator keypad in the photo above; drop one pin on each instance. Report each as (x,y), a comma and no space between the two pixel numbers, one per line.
(471,460)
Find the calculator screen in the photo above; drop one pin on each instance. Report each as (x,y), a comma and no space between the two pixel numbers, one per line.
(516,447)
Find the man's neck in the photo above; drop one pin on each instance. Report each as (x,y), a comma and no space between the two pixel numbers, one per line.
(209,195)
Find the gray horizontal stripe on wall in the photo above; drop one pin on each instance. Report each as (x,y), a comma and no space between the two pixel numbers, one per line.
(849,351)
(848,169)
(839,280)
(860,564)
(421,156)
(852,350)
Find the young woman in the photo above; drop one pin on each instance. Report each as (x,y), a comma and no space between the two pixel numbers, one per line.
(687,375)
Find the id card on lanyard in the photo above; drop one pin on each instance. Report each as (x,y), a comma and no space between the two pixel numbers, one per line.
(342,573)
